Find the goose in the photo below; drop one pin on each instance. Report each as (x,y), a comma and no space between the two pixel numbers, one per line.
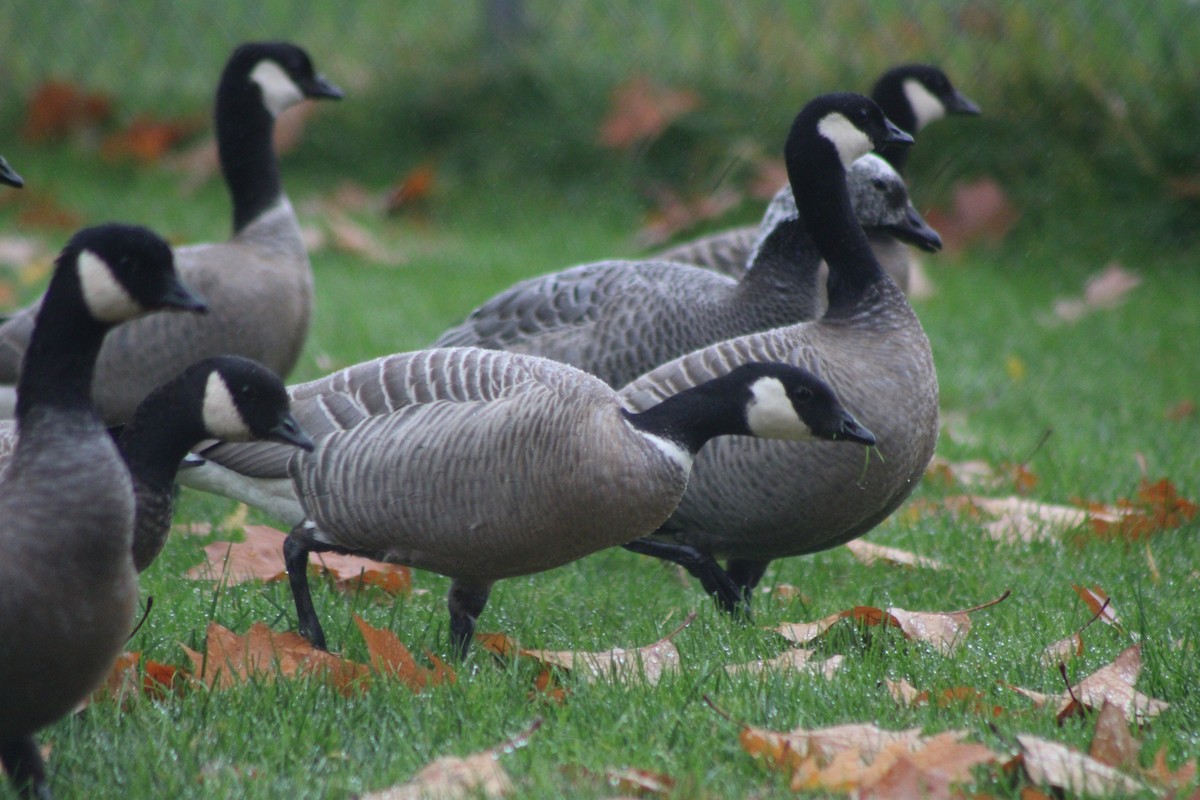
(911,96)
(9,176)
(751,502)
(66,502)
(481,465)
(258,283)
(619,319)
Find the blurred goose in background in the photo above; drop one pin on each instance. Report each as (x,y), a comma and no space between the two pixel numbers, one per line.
(619,319)
(911,96)
(482,465)
(8,175)
(66,502)
(259,283)
(754,501)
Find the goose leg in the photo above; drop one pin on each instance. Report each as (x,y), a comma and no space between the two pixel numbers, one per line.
(745,574)
(702,566)
(23,762)
(466,602)
(295,558)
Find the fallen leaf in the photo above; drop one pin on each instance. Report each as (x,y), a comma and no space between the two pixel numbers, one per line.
(413,188)
(786,749)
(639,782)
(1053,764)
(230,659)
(1063,650)
(869,553)
(640,111)
(1106,289)
(1160,774)
(460,778)
(1114,684)
(943,630)
(791,661)
(1184,409)
(1098,603)
(673,214)
(259,557)
(1018,519)
(389,656)
(647,664)
(351,237)
(1158,507)
(786,592)
(1112,743)
(965,697)
(980,213)
(59,109)
(147,140)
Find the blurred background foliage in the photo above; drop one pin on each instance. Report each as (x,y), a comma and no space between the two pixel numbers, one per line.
(1090,107)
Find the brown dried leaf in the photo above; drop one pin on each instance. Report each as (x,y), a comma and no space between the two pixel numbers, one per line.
(674,214)
(1161,775)
(1112,743)
(1184,409)
(146,140)
(788,749)
(905,693)
(869,553)
(980,212)
(791,661)
(389,656)
(1098,603)
(943,630)
(414,188)
(58,109)
(230,659)
(1114,684)
(459,778)
(1063,650)
(928,773)
(1066,769)
(1105,289)
(640,111)
(646,664)
(351,237)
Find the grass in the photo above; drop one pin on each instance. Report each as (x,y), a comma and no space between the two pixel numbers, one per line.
(1102,386)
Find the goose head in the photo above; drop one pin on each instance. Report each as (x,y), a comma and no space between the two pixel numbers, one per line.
(782,401)
(8,175)
(915,95)
(881,202)
(243,401)
(851,123)
(124,271)
(283,73)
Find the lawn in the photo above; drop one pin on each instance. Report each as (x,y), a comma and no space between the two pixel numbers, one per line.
(1089,408)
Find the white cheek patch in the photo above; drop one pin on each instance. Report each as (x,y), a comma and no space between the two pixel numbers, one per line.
(925,105)
(222,419)
(850,141)
(278,90)
(771,414)
(105,297)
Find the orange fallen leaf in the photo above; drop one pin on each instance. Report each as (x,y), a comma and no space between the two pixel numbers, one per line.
(460,778)
(230,659)
(640,111)
(1158,507)
(147,140)
(943,630)
(1114,684)
(390,657)
(980,213)
(1160,774)
(58,109)
(1098,603)
(869,553)
(260,557)
(1064,768)
(646,664)
(414,187)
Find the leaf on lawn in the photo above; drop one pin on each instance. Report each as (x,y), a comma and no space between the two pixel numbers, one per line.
(869,553)
(414,188)
(1063,650)
(146,140)
(389,656)
(673,214)
(260,558)
(632,781)
(1160,774)
(943,630)
(1018,519)
(786,592)
(1108,288)
(640,111)
(460,778)
(1184,409)
(647,664)
(351,237)
(1114,684)
(230,659)
(125,682)
(39,210)
(1112,743)
(1053,764)
(59,109)
(980,213)
(1158,507)
(963,697)
(791,661)
(1098,603)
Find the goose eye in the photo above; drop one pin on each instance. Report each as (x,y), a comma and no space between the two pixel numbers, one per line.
(879,184)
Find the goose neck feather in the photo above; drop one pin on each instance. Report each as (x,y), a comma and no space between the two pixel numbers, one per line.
(244,129)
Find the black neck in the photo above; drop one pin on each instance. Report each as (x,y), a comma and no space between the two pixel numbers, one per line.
(786,266)
(819,183)
(160,433)
(695,415)
(61,359)
(244,144)
(889,96)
